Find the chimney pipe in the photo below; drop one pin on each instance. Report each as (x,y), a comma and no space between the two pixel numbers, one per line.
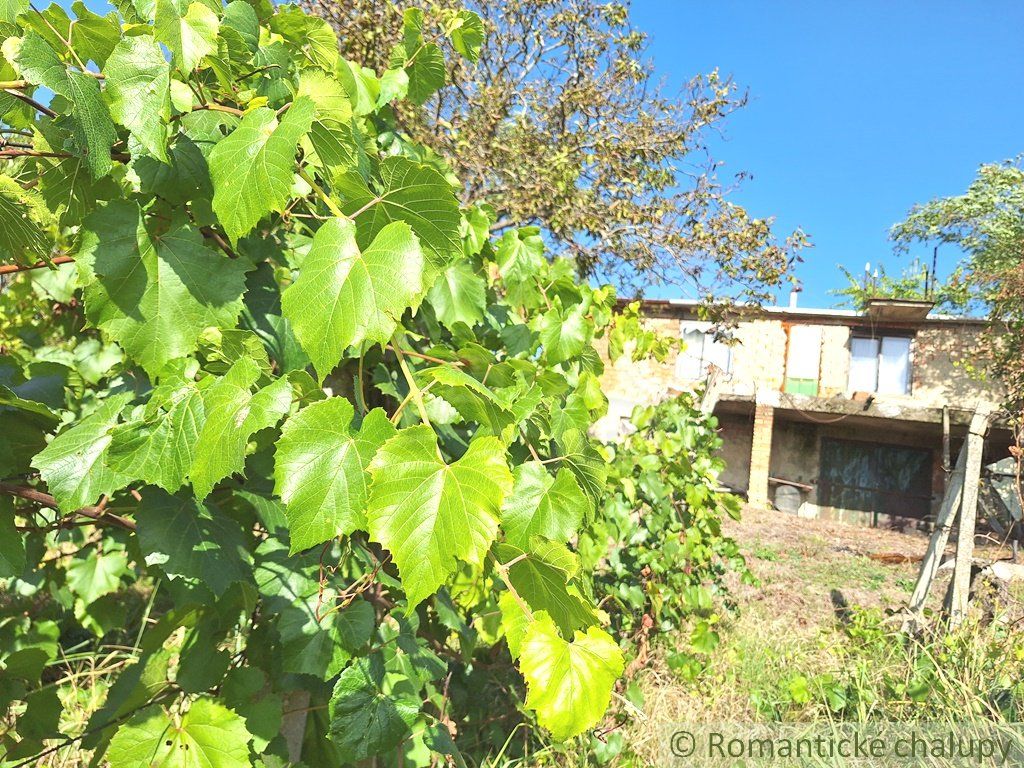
(793,297)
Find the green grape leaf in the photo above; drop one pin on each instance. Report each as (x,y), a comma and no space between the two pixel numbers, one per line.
(233,415)
(311,34)
(542,505)
(541,576)
(322,647)
(473,400)
(138,90)
(68,190)
(344,297)
(154,294)
(365,720)
(467,34)
(431,515)
(93,128)
(158,449)
(12,544)
(189,30)
(187,540)
(585,463)
(208,736)
(416,194)
(245,690)
(459,295)
(422,61)
(563,334)
(26,424)
(253,166)
(520,255)
(73,465)
(97,574)
(315,639)
(515,618)
(92,36)
(240,18)
(24,221)
(569,684)
(320,470)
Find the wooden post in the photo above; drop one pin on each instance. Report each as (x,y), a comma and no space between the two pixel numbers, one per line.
(945,439)
(968,515)
(943,527)
(712,390)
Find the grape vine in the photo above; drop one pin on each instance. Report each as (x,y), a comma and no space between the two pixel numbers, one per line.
(284,426)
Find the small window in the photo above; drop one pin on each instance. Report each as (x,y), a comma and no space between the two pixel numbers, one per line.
(700,350)
(880,365)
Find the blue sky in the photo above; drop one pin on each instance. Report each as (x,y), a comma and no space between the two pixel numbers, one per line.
(857,110)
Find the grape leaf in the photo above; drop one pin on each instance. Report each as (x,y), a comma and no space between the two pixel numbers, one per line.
(320,470)
(515,618)
(24,219)
(208,736)
(233,415)
(344,297)
(563,334)
(431,515)
(585,463)
(93,36)
(189,30)
(542,505)
(472,399)
(569,684)
(322,647)
(138,81)
(12,546)
(253,166)
(541,576)
(158,448)
(459,295)
(97,574)
(309,645)
(94,130)
(26,424)
(187,540)
(154,294)
(422,61)
(366,721)
(467,34)
(416,194)
(73,464)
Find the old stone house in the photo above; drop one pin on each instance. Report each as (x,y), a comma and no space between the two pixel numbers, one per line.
(826,412)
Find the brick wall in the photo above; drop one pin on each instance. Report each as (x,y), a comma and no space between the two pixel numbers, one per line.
(761,455)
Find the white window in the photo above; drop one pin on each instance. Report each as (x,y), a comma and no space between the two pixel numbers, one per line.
(700,350)
(880,365)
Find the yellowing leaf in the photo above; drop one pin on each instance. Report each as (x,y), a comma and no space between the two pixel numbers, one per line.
(569,684)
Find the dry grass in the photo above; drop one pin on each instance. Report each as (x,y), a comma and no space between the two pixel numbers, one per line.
(790,629)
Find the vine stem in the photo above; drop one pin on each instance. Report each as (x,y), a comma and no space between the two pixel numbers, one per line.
(414,390)
(8,269)
(333,206)
(502,570)
(46,500)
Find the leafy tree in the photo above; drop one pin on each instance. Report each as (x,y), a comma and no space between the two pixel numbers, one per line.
(913,282)
(555,119)
(987,223)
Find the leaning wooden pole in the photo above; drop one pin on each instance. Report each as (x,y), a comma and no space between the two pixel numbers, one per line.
(968,515)
(943,527)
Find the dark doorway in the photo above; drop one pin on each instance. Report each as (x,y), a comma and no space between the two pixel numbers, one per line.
(882,479)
